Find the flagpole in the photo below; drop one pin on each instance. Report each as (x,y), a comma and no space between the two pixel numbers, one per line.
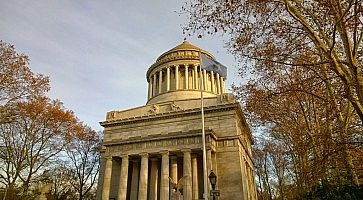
(205,175)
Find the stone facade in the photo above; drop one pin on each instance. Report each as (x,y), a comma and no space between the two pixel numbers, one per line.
(146,145)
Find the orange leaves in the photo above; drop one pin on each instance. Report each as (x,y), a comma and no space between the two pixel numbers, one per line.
(34,129)
(46,112)
(304,63)
(22,94)
(272,35)
(17,82)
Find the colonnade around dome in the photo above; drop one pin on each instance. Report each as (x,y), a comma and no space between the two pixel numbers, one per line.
(184,77)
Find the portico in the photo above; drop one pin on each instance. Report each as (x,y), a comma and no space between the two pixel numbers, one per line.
(150,179)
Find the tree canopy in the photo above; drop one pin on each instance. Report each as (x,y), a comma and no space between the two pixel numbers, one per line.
(303,62)
(37,133)
(323,36)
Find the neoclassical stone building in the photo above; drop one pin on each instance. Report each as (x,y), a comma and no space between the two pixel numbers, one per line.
(146,145)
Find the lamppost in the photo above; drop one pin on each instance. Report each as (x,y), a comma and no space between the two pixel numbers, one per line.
(213,180)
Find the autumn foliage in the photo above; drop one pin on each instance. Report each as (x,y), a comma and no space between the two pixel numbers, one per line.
(36,132)
(303,62)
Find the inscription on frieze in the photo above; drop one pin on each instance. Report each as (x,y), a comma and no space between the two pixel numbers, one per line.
(155,144)
(138,145)
(151,144)
(180,141)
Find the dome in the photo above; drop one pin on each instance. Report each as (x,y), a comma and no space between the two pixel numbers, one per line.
(175,75)
(184,46)
(184,50)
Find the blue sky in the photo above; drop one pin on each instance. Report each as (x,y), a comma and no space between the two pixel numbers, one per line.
(97,52)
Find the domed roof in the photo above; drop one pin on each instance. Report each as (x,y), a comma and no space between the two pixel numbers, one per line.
(174,75)
(184,46)
(183,51)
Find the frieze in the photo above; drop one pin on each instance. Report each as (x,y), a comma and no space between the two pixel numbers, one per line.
(195,141)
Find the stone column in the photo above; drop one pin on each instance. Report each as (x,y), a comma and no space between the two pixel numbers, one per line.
(196,77)
(135,179)
(212,81)
(160,80)
(154,85)
(186,77)
(149,89)
(195,178)
(205,79)
(153,194)
(100,177)
(187,172)
(107,179)
(167,78)
(193,86)
(176,77)
(164,181)
(222,85)
(218,85)
(122,188)
(143,177)
(173,171)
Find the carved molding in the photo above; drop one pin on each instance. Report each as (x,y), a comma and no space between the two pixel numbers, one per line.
(174,107)
(154,109)
(226,98)
(168,114)
(110,115)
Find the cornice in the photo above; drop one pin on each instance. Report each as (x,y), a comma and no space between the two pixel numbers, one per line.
(168,115)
